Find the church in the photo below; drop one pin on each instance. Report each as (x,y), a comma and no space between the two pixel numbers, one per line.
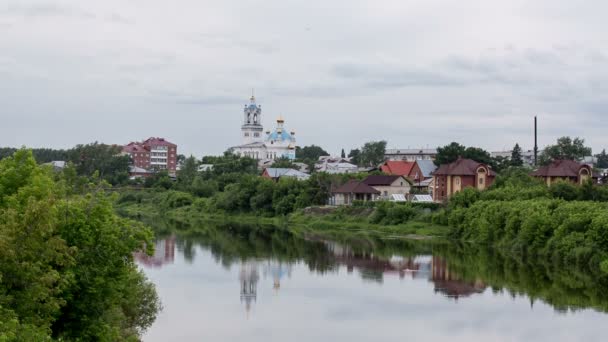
(260,145)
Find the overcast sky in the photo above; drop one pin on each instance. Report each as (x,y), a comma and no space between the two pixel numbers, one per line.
(341,72)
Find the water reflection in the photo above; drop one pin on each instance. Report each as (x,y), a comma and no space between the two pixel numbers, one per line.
(276,277)
(164,253)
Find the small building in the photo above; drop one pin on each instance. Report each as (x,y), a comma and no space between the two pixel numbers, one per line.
(389,185)
(566,170)
(421,199)
(138,172)
(353,190)
(58,165)
(397,167)
(462,173)
(278,173)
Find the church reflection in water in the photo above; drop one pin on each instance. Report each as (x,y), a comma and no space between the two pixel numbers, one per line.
(370,266)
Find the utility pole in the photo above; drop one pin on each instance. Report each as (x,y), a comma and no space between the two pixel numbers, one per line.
(535,143)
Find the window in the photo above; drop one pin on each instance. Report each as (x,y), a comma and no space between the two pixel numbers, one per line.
(480,181)
(246,134)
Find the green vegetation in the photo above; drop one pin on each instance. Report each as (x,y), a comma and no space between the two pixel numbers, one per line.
(66,265)
(101,159)
(564,223)
(565,148)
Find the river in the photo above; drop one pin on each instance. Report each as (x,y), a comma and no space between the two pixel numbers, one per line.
(266,284)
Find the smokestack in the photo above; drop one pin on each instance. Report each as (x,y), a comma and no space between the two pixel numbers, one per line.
(535,143)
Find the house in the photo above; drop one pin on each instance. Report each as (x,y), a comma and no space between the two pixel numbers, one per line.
(278,173)
(389,185)
(422,170)
(410,154)
(462,173)
(426,186)
(397,167)
(138,172)
(353,190)
(568,170)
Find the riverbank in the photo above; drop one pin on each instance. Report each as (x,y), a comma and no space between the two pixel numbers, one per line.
(329,220)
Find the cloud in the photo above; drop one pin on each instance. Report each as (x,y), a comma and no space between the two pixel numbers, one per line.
(48,9)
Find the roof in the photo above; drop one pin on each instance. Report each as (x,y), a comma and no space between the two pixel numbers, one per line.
(427,167)
(381,180)
(422,198)
(560,168)
(397,167)
(285,172)
(461,167)
(355,187)
(398,198)
(136,169)
(158,142)
(134,147)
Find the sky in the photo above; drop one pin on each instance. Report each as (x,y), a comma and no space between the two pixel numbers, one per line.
(342,72)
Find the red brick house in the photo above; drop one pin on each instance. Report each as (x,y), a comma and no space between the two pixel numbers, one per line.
(153,154)
(568,170)
(451,178)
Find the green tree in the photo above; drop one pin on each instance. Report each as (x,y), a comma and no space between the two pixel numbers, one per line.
(516,156)
(565,148)
(343,154)
(187,172)
(372,153)
(602,159)
(311,152)
(283,162)
(355,155)
(449,153)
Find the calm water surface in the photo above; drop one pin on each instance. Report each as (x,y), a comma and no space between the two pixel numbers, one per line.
(234,284)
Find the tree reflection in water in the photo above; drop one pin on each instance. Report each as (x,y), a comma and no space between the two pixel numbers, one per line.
(456,271)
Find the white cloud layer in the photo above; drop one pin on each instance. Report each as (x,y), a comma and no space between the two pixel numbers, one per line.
(414,73)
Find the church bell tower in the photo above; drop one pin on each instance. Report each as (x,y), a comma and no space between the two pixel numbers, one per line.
(251,130)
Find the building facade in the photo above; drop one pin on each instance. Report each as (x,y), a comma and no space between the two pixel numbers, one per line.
(153,154)
(452,178)
(410,154)
(260,145)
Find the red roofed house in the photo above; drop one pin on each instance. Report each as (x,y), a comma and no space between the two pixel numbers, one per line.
(153,154)
(568,170)
(353,190)
(397,167)
(451,178)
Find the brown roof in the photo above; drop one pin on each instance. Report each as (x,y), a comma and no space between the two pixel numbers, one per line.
(397,167)
(560,168)
(355,187)
(380,180)
(461,167)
